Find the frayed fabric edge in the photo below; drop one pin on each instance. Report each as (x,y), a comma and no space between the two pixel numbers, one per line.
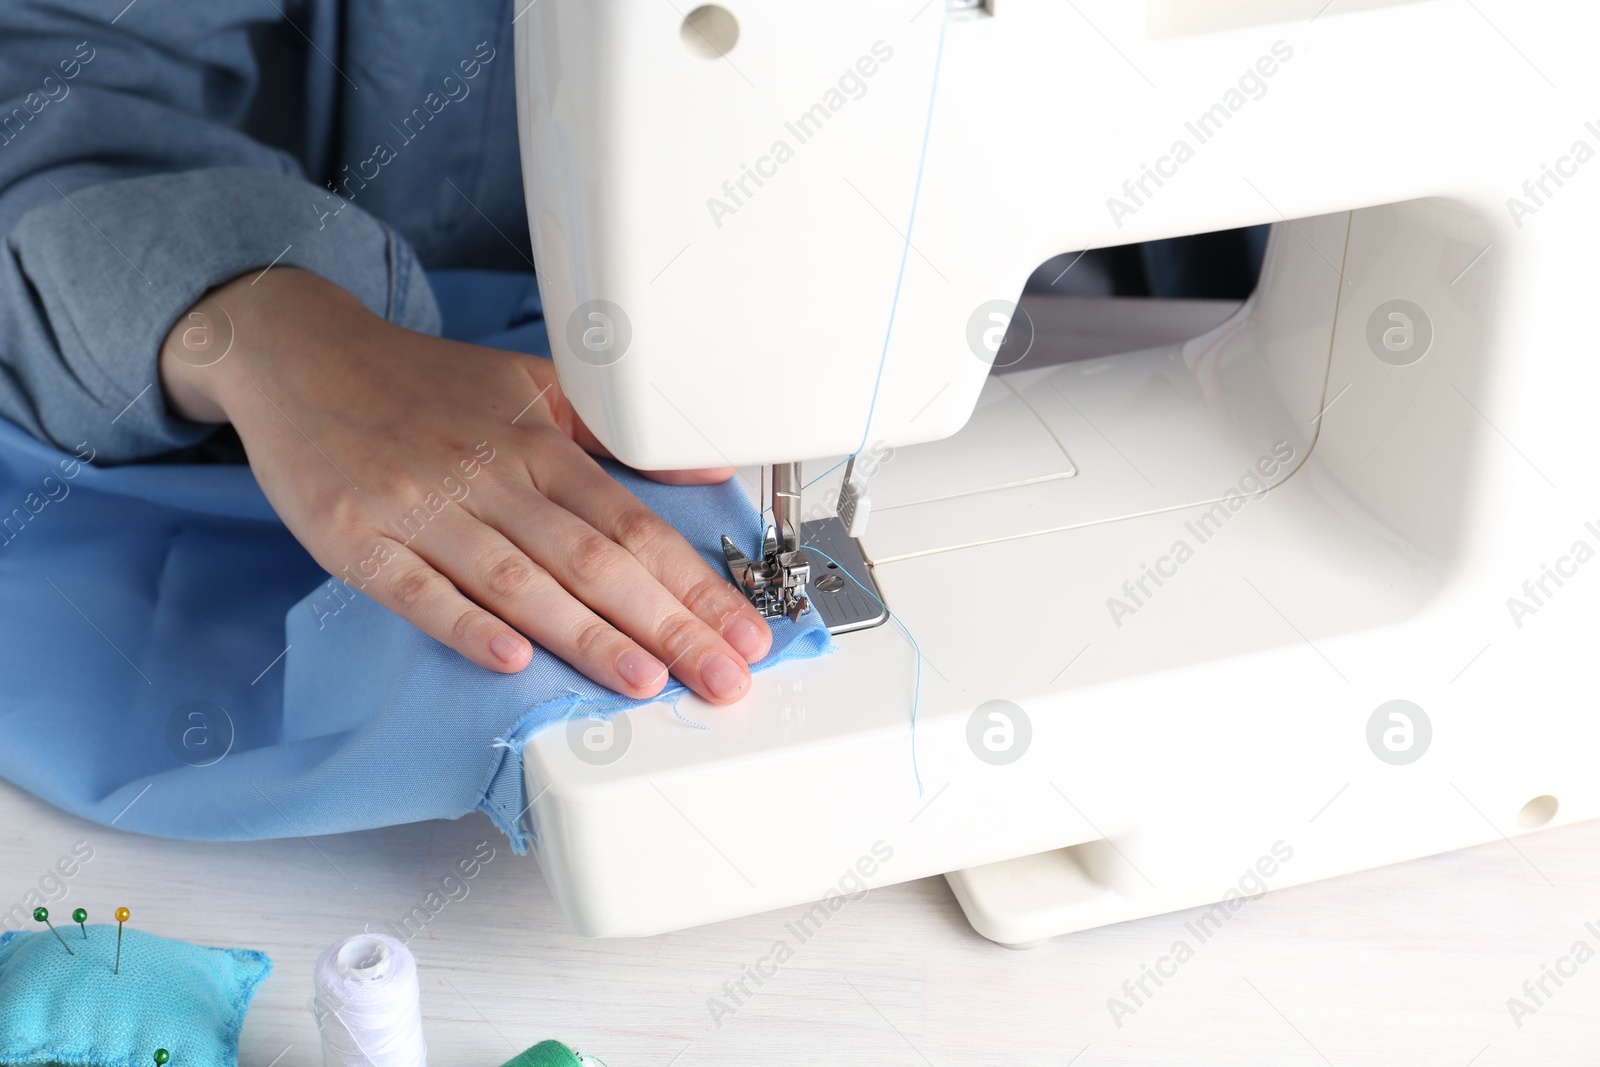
(506,800)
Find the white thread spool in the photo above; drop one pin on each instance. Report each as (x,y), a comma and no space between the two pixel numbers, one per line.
(368,1004)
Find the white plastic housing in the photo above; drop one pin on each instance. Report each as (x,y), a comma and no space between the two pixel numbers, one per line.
(1173,747)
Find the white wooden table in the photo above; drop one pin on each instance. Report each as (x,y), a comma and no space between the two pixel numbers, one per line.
(1408,965)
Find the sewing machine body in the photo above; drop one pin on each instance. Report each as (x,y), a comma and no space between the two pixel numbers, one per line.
(1337,506)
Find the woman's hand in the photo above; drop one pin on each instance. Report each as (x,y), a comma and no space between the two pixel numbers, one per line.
(450,483)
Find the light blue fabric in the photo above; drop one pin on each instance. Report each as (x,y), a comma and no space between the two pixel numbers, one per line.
(134,592)
(73,1010)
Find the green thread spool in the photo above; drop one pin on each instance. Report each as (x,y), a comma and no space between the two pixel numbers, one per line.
(546,1054)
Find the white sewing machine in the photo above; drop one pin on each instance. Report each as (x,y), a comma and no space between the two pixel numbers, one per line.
(774,233)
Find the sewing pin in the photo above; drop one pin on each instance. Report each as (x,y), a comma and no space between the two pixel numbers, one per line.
(40,915)
(121,915)
(78,916)
(162,1056)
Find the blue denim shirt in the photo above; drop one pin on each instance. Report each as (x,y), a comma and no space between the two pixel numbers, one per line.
(152,150)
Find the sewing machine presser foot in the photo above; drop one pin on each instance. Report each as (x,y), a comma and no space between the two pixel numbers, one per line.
(776,583)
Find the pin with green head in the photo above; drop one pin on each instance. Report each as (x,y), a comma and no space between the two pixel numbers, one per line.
(78,916)
(40,915)
(162,1056)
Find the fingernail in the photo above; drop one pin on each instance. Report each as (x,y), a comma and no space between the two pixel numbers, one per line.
(639,669)
(746,638)
(505,648)
(722,676)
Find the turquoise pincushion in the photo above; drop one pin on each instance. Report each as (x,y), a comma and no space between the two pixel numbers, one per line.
(72,1010)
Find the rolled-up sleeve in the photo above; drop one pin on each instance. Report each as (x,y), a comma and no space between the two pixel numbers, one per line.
(126,192)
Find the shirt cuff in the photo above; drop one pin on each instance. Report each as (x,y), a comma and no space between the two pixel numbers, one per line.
(114,267)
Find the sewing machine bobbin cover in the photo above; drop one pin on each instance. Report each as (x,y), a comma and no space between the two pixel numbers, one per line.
(1233,590)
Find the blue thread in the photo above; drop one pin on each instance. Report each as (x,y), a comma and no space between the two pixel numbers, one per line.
(877,383)
(681,716)
(807,485)
(905,252)
(916,690)
(830,470)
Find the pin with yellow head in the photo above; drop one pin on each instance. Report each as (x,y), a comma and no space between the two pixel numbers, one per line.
(121,915)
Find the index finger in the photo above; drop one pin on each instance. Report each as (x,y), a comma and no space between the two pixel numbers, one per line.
(586,490)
